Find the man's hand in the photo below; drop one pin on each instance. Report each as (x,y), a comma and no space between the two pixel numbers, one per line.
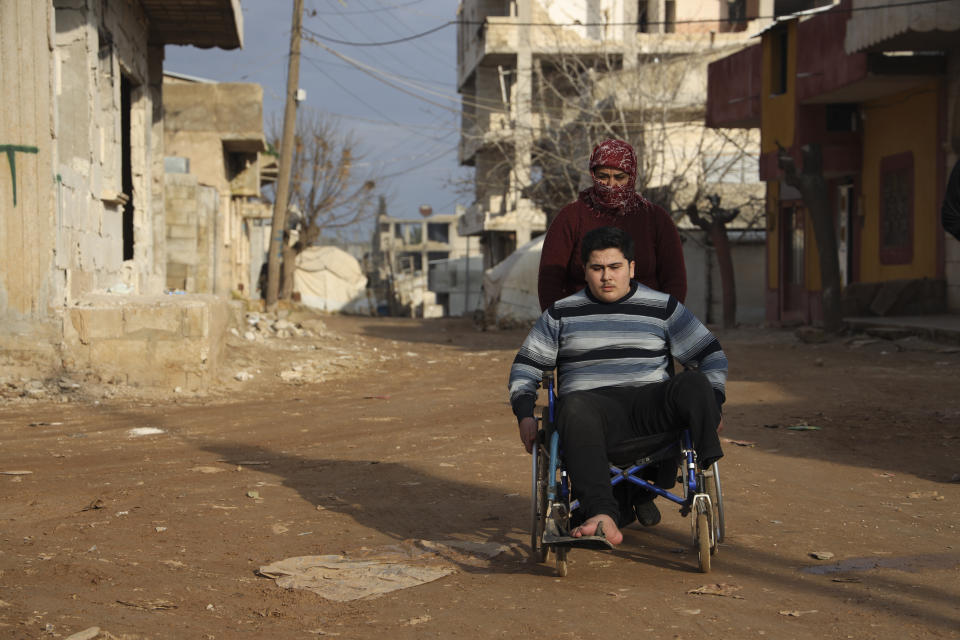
(528,433)
(720,426)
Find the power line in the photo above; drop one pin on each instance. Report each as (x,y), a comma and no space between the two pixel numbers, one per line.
(836,8)
(416,129)
(314,12)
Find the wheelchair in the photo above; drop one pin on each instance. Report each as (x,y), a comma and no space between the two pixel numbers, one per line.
(552,503)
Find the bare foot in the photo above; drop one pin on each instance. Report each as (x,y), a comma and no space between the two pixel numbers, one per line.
(610,530)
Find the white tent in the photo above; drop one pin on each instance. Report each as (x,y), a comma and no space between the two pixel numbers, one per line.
(510,288)
(330,279)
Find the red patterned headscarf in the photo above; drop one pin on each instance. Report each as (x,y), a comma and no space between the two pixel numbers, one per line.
(618,199)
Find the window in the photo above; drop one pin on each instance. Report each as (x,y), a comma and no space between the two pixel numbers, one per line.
(438,232)
(779,48)
(896,209)
(737,14)
(841,117)
(643,20)
(670,19)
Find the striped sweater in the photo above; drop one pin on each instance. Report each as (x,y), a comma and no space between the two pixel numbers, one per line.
(594,344)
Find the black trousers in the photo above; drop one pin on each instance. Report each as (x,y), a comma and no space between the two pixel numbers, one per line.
(591,422)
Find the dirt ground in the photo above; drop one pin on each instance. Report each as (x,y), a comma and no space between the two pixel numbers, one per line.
(382,431)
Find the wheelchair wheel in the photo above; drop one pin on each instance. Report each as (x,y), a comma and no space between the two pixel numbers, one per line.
(538,504)
(715,491)
(703,542)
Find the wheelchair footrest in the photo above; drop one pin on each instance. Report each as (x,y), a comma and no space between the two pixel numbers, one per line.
(553,537)
(586,542)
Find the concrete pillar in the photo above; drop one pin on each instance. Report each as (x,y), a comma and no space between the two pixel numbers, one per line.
(523,140)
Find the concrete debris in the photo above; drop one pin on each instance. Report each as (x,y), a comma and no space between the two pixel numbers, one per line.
(86,634)
(144,431)
(242,376)
(263,326)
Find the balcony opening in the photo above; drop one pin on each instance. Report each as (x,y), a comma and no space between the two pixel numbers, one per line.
(438,232)
(737,15)
(670,16)
(643,16)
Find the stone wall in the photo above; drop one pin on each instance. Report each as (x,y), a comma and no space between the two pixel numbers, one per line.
(104,103)
(191,217)
(156,341)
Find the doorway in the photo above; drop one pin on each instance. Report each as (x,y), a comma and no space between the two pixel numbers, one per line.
(793,300)
(126,158)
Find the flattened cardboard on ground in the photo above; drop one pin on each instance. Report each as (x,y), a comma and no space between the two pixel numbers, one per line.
(379,571)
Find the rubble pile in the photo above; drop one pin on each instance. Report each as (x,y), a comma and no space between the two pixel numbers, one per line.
(307,351)
(263,326)
(56,389)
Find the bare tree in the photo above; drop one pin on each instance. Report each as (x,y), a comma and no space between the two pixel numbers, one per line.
(659,107)
(327,192)
(813,189)
(714,221)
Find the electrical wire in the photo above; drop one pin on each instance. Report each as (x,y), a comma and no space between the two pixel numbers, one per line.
(837,8)
(314,12)
(365,103)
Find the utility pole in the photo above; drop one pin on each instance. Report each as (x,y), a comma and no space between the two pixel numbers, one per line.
(286,158)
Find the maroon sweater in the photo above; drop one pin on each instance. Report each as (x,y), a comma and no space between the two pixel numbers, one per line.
(657,250)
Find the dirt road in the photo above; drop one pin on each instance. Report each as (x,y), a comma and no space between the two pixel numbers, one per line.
(410,438)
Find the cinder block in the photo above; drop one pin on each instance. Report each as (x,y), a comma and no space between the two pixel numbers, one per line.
(182,354)
(159,319)
(93,323)
(196,321)
(126,360)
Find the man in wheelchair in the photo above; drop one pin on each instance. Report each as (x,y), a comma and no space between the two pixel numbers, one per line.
(611,344)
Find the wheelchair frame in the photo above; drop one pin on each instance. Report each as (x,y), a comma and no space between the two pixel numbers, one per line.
(551,502)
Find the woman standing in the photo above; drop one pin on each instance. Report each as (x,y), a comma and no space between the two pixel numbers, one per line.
(612,201)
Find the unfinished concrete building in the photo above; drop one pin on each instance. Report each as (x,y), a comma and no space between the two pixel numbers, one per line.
(82,193)
(424,267)
(543,80)
(217,224)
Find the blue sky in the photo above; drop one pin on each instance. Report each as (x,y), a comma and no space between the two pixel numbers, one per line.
(414,137)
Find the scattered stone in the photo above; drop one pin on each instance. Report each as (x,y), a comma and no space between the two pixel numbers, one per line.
(144,431)
(243,376)
(803,426)
(67,385)
(95,504)
(796,614)
(916,495)
(822,555)
(207,469)
(86,634)
(718,589)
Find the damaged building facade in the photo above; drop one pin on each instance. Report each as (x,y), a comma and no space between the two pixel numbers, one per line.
(82,230)
(864,98)
(424,268)
(542,81)
(217,224)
